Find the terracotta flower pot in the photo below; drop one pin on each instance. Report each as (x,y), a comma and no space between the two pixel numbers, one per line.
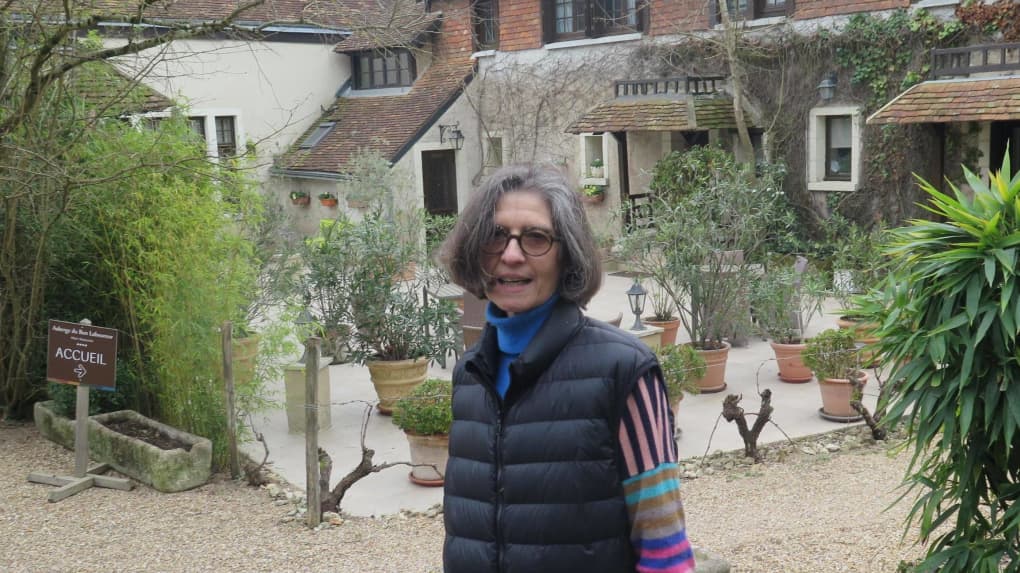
(862,331)
(593,199)
(394,379)
(328,202)
(302,200)
(791,364)
(431,450)
(669,329)
(836,396)
(714,379)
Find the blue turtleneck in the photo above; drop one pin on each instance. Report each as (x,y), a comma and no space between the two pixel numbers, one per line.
(514,333)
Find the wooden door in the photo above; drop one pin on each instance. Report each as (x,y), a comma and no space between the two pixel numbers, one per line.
(439,178)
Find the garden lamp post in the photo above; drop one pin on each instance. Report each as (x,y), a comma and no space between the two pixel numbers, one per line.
(636,295)
(304,318)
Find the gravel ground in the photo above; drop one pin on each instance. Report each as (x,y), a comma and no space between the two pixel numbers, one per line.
(809,513)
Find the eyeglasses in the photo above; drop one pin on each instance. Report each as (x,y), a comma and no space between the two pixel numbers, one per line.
(533,242)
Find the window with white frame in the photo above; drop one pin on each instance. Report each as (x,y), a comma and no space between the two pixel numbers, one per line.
(834,149)
(226,136)
(219,129)
(593,156)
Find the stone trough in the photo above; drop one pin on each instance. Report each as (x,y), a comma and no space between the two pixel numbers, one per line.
(165,470)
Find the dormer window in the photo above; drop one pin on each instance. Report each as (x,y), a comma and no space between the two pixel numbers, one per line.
(383,69)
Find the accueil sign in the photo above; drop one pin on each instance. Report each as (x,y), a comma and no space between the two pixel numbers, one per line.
(81,354)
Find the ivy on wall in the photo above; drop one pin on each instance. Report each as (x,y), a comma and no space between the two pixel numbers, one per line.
(1000,17)
(875,58)
(878,51)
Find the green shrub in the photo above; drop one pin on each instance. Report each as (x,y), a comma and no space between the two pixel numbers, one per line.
(949,319)
(427,410)
(832,353)
(682,366)
(158,252)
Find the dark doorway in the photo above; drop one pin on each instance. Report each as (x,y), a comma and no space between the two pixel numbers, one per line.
(1005,134)
(439,178)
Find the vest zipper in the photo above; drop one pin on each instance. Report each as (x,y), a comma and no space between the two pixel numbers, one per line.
(499,489)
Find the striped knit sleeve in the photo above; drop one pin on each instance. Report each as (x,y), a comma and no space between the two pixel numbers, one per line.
(651,481)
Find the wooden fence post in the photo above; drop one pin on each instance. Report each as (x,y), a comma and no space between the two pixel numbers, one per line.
(312,492)
(228,381)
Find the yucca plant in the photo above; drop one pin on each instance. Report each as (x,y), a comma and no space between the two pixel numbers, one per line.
(949,320)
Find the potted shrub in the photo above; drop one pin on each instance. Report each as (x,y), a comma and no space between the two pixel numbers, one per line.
(328,281)
(394,332)
(784,301)
(700,250)
(833,356)
(300,198)
(663,316)
(425,416)
(857,266)
(327,200)
(682,366)
(593,194)
(596,168)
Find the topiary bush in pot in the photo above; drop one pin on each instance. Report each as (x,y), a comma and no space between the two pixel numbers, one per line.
(425,416)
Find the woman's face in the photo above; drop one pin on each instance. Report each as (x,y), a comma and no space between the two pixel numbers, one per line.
(518,282)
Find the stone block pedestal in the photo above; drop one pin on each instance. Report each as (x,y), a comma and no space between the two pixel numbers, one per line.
(651,336)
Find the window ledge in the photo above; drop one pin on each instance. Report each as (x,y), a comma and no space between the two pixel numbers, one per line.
(594,41)
(483,54)
(832,186)
(594,181)
(756,23)
(375,92)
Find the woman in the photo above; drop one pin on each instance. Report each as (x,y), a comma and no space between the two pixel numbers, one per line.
(561,449)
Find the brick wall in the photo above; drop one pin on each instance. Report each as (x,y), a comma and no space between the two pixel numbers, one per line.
(455,38)
(807,9)
(520,24)
(672,16)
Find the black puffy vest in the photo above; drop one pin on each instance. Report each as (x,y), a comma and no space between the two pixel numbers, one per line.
(533,482)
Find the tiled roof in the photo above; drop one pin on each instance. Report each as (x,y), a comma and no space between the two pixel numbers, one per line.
(410,28)
(692,113)
(944,101)
(106,90)
(385,124)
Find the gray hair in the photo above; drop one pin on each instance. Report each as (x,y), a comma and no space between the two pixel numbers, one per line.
(579,261)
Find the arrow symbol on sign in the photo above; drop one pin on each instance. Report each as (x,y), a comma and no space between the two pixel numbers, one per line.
(80,371)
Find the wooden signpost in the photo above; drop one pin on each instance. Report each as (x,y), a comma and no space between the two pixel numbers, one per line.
(82,355)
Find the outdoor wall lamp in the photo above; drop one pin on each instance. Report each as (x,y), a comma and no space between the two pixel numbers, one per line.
(827,89)
(451,133)
(636,296)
